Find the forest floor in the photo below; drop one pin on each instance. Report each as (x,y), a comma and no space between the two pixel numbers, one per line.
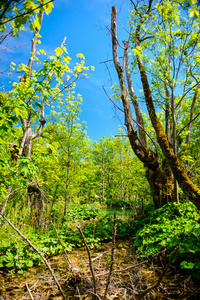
(126,284)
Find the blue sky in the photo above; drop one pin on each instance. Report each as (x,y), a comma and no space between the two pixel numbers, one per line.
(83,23)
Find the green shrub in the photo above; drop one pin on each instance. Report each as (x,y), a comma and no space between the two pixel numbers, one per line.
(173,224)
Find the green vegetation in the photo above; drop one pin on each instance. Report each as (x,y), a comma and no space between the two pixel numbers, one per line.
(173,224)
(51,172)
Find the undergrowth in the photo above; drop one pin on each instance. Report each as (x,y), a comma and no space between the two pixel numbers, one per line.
(165,228)
(156,231)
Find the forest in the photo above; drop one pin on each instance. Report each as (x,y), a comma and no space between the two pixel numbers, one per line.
(114,218)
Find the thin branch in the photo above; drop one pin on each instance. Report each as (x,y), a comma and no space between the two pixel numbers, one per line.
(79,295)
(100,255)
(26,13)
(122,270)
(114,37)
(7,48)
(145,38)
(112,257)
(185,94)
(197,81)
(142,294)
(7,197)
(95,295)
(5,9)
(103,62)
(112,100)
(147,135)
(40,254)
(89,256)
(188,124)
(29,291)
(66,255)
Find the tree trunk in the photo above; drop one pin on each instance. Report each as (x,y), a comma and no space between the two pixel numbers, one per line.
(35,199)
(67,183)
(158,174)
(187,186)
(103,175)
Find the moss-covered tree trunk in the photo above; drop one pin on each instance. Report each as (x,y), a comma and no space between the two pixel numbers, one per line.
(157,173)
(161,176)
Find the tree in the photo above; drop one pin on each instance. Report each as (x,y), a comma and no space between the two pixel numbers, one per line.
(69,135)
(163,41)
(26,103)
(14,15)
(118,175)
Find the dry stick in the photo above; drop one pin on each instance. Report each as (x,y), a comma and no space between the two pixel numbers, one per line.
(29,291)
(97,296)
(7,197)
(43,258)
(66,255)
(99,256)
(112,256)
(142,294)
(79,295)
(125,269)
(89,256)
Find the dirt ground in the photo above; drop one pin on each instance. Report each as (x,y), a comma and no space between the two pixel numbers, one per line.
(131,276)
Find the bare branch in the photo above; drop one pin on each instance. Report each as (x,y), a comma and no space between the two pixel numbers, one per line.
(5,202)
(161,276)
(122,270)
(66,255)
(29,291)
(112,100)
(89,256)
(112,257)
(188,124)
(114,37)
(40,254)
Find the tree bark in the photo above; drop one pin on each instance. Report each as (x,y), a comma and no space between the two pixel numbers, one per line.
(190,190)
(158,175)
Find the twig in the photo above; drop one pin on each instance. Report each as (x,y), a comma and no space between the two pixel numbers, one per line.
(89,256)
(98,256)
(142,294)
(43,258)
(95,295)
(78,292)
(122,270)
(29,291)
(112,256)
(103,62)
(7,197)
(25,13)
(112,100)
(66,256)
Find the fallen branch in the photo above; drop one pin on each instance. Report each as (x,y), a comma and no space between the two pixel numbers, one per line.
(97,296)
(36,250)
(66,255)
(142,294)
(90,261)
(79,295)
(122,270)
(100,255)
(29,291)
(112,257)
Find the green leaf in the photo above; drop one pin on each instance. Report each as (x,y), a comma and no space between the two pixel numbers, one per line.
(59,51)
(187,265)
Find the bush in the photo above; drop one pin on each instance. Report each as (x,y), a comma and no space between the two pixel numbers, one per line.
(173,224)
